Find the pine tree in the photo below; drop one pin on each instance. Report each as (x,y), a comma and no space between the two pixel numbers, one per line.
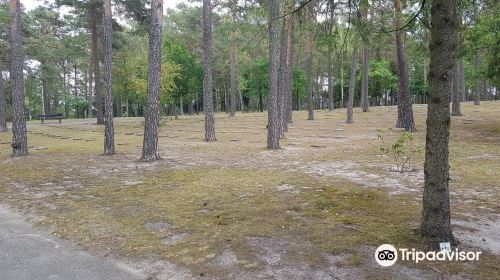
(272,101)
(208,106)
(109,133)
(436,225)
(19,138)
(150,150)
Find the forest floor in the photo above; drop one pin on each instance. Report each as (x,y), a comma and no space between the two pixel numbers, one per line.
(316,209)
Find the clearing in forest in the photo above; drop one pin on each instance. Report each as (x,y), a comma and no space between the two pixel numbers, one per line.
(316,209)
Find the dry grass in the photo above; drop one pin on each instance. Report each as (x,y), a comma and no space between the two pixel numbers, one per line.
(328,192)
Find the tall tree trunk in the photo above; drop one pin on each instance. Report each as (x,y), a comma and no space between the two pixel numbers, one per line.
(181,106)
(242,106)
(65,90)
(331,104)
(119,108)
(19,137)
(45,89)
(477,88)
(190,105)
(288,79)
(95,64)
(150,150)
(272,101)
(75,89)
(282,68)
(309,62)
(352,84)
(436,224)
(461,75)
(289,66)
(3,104)
(226,99)
(261,103)
(197,101)
(232,68)
(405,110)
(342,105)
(216,103)
(89,90)
(365,101)
(208,106)
(289,69)
(456,93)
(331,96)
(109,130)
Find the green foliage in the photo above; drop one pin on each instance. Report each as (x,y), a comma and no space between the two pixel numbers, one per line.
(299,83)
(382,77)
(189,78)
(75,103)
(483,38)
(418,85)
(256,78)
(403,150)
(55,43)
(131,73)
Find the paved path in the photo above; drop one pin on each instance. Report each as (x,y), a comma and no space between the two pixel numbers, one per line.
(30,254)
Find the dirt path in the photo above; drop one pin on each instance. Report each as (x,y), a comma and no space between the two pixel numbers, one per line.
(27,253)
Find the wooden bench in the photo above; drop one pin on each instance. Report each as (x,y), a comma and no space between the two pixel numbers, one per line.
(50,117)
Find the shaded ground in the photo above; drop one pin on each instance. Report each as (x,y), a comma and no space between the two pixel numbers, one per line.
(316,209)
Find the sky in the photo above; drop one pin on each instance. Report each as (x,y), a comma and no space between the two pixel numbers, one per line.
(30,4)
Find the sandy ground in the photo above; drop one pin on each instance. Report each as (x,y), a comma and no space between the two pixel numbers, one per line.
(233,210)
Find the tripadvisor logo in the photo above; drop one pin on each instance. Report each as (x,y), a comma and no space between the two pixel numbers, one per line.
(387,255)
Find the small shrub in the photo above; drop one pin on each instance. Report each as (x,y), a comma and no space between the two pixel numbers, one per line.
(403,151)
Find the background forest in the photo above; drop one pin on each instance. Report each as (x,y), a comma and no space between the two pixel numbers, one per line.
(61,70)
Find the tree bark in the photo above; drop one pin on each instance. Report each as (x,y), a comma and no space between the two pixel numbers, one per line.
(226,99)
(405,111)
(342,104)
(261,103)
(208,106)
(65,89)
(477,89)
(45,89)
(150,150)
(282,78)
(95,64)
(436,225)
(232,69)
(89,90)
(352,84)
(309,63)
(181,106)
(3,104)
(190,105)
(289,66)
(331,102)
(365,101)
(331,96)
(19,137)
(109,131)
(288,73)
(75,74)
(461,75)
(272,101)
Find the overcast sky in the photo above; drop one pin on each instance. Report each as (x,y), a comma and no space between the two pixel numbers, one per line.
(30,4)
